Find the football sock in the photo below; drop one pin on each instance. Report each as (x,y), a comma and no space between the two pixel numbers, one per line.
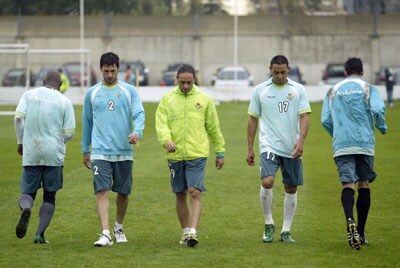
(106,232)
(192,231)
(185,230)
(25,201)
(289,209)
(266,197)
(45,214)
(118,226)
(363,204)
(348,202)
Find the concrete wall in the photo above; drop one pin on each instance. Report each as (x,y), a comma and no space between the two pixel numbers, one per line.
(207,42)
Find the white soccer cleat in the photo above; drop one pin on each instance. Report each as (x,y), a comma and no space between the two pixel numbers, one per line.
(120,236)
(105,240)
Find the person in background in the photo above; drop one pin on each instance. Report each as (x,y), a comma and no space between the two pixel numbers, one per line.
(281,107)
(44,121)
(185,118)
(389,82)
(64,81)
(349,112)
(130,77)
(112,121)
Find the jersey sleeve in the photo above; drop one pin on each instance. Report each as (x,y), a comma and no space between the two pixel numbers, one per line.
(304,106)
(138,113)
(69,118)
(87,123)
(255,106)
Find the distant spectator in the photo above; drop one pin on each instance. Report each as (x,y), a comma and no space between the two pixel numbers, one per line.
(130,77)
(64,82)
(389,79)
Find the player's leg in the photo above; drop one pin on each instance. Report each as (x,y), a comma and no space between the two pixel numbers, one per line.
(102,181)
(367,175)
(269,165)
(122,174)
(46,213)
(194,173)
(346,167)
(292,176)
(30,183)
(179,187)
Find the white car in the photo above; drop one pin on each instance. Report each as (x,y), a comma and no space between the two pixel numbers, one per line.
(233,77)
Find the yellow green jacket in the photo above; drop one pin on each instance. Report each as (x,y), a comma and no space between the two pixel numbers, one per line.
(188,122)
(64,83)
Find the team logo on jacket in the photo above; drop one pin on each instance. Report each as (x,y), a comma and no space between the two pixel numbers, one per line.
(290,96)
(198,106)
(118,94)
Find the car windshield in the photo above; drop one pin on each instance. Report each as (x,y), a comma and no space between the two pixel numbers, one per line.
(15,73)
(132,65)
(335,71)
(173,67)
(230,75)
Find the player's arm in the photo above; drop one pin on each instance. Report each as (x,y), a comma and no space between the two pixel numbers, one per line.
(251,134)
(19,123)
(304,126)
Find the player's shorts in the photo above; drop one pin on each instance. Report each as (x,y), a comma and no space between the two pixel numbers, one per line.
(292,169)
(115,176)
(35,177)
(355,167)
(187,173)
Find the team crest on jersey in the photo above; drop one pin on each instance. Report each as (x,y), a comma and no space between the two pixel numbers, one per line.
(198,106)
(118,94)
(290,96)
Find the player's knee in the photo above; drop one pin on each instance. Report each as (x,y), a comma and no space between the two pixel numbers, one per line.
(267,182)
(49,197)
(194,193)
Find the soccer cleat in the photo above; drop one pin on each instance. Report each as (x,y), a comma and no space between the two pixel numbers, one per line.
(192,240)
(286,237)
(268,234)
(119,236)
(22,225)
(184,239)
(352,235)
(105,240)
(40,239)
(363,240)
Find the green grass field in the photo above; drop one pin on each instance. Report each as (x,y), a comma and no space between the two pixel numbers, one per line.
(231,225)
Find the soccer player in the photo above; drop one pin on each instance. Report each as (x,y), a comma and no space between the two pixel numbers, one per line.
(185,118)
(348,113)
(44,121)
(281,107)
(108,111)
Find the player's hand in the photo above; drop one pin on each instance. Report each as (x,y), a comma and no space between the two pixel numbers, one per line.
(133,138)
(20,150)
(250,158)
(219,162)
(86,161)
(297,151)
(170,146)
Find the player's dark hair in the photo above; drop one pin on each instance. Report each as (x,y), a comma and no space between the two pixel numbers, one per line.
(109,58)
(186,68)
(354,66)
(279,60)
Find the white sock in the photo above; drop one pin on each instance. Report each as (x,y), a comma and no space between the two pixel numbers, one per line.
(106,232)
(192,231)
(289,208)
(186,230)
(266,197)
(118,226)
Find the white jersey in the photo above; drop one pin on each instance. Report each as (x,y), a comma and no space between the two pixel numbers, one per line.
(47,114)
(278,108)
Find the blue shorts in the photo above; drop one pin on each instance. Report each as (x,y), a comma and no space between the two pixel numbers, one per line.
(115,176)
(292,169)
(35,177)
(355,167)
(187,173)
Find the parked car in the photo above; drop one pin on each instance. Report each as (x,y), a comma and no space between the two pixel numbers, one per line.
(380,78)
(226,77)
(135,65)
(295,74)
(74,71)
(333,73)
(17,77)
(41,75)
(169,74)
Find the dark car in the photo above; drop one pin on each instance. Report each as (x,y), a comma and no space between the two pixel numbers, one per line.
(333,73)
(74,71)
(296,75)
(380,78)
(135,65)
(169,75)
(41,75)
(17,77)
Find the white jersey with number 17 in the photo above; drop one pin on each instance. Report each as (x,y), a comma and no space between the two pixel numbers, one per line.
(277,108)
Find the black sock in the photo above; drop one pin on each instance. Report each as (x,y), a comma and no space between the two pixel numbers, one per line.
(348,202)
(363,204)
